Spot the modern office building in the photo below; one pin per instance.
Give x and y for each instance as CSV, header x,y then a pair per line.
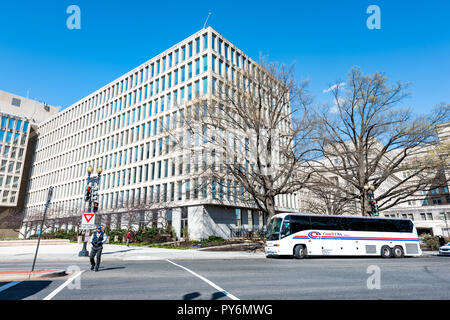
x,y
122,128
19,119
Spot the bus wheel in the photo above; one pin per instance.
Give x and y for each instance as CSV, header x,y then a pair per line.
x,y
300,251
386,252
398,252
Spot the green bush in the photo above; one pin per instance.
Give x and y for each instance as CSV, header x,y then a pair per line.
x,y
210,239
430,242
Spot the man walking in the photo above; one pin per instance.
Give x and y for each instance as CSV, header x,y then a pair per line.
x,y
97,241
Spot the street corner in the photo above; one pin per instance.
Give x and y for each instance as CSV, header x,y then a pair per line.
x,y
22,275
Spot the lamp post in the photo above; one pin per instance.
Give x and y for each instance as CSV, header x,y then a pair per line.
x,y
91,197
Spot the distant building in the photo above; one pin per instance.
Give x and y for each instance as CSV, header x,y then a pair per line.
x,y
18,120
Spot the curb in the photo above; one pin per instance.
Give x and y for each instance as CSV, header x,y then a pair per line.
x,y
27,275
19,243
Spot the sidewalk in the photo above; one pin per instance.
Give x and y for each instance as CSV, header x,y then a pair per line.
x,y
63,253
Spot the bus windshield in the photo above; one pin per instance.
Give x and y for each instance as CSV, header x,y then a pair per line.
x,y
273,230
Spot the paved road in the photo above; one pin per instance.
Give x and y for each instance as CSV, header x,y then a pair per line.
x,y
251,279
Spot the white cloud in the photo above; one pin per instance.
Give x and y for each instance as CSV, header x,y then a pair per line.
x,y
334,87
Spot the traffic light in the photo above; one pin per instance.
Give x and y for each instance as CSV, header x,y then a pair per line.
x,y
374,207
95,209
94,193
88,194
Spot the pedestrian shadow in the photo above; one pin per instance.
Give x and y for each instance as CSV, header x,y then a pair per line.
x,y
112,268
191,296
194,295
24,289
119,251
218,295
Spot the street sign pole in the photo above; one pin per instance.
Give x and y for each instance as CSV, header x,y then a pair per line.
x,y
92,197
84,252
47,204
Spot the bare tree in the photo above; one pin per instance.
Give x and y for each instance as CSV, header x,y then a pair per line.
x,y
324,197
368,138
250,136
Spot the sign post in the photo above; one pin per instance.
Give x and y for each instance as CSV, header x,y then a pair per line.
x,y
47,204
88,218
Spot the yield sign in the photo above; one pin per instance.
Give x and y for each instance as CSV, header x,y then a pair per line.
x,y
88,216
87,221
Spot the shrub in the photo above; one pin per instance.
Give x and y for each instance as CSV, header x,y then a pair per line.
x,y
207,241
429,241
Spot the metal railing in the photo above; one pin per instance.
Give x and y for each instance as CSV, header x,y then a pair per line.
x,y
245,232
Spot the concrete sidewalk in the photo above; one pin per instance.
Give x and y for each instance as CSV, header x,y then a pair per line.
x,y
62,253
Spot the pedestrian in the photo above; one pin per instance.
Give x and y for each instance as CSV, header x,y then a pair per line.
x,y
128,238
97,241
441,241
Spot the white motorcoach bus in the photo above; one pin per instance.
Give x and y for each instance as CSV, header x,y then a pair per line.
x,y
303,235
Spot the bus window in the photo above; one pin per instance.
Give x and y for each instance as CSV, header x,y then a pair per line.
x,y
376,225
403,225
300,223
325,223
356,224
285,227
273,229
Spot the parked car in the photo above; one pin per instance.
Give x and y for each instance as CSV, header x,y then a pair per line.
x,y
445,250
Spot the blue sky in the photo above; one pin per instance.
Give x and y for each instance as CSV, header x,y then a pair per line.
x,y
39,56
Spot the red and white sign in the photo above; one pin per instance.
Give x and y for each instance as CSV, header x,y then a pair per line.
x,y
88,221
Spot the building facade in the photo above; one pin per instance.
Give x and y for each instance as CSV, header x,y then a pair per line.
x,y
19,118
124,129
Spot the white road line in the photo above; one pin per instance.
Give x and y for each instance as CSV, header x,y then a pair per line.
x,y
57,290
9,285
229,295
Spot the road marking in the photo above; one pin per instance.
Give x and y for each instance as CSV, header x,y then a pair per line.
x,y
57,290
9,285
212,284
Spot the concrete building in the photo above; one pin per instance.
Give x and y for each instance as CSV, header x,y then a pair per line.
x,y
19,120
122,128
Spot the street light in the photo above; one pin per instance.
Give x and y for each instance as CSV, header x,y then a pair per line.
x,y
89,197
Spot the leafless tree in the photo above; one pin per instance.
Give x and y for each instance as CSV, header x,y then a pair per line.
x,y
368,138
250,136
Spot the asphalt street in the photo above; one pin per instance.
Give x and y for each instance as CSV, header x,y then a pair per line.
x,y
420,278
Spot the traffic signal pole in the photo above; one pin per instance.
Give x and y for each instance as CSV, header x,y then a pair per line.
x,y
47,204
90,196
87,197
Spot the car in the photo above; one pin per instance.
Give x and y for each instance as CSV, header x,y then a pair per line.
x,y
445,250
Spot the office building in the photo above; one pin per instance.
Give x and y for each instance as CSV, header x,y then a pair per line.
x,y
19,118
123,128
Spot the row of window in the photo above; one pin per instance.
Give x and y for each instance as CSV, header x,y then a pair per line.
x,y
11,152
149,70
424,216
11,182
10,167
8,197
126,118
14,124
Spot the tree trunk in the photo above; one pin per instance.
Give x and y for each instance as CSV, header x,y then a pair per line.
x,y
270,207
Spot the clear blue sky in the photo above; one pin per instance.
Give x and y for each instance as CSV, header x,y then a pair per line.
x,y
324,38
